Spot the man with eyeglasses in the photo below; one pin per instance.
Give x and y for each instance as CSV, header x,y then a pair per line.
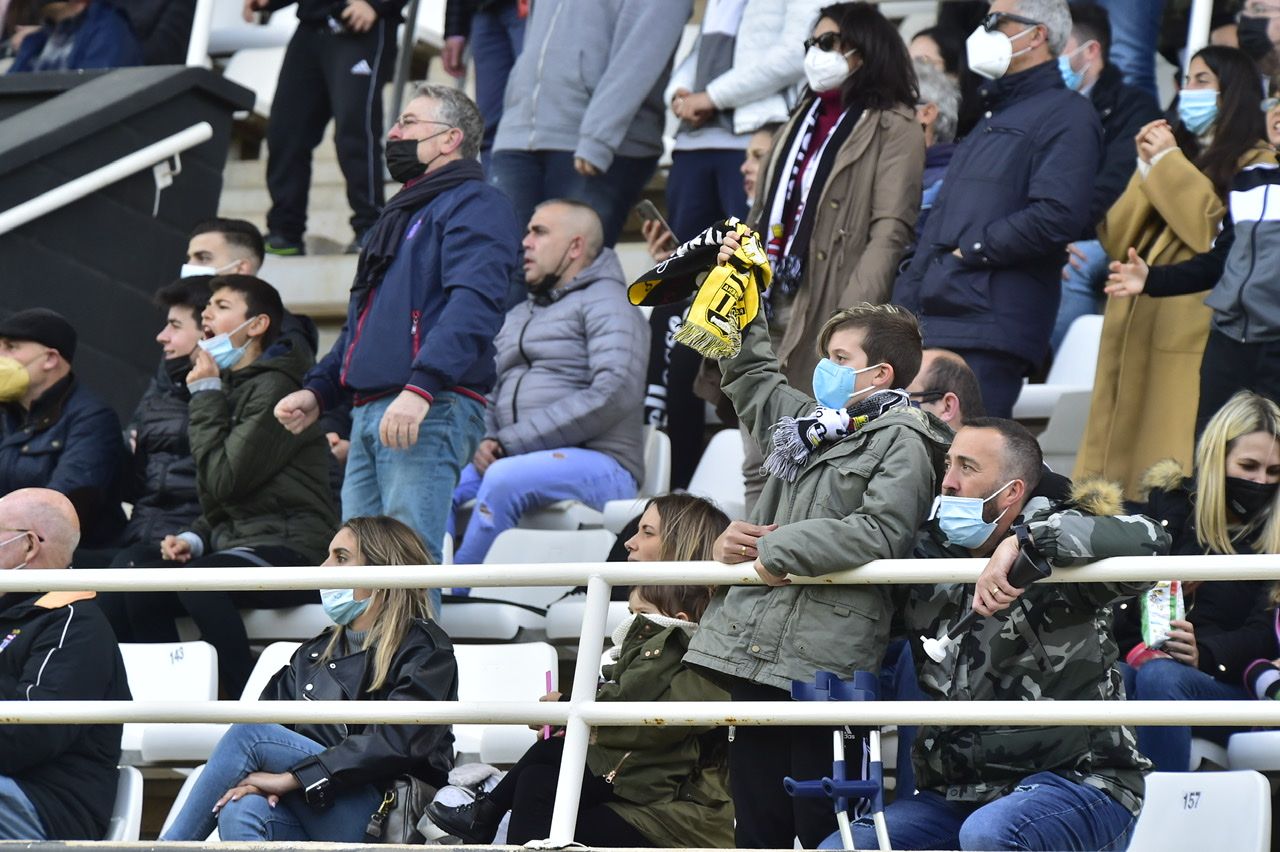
x,y
987,281
57,782
416,356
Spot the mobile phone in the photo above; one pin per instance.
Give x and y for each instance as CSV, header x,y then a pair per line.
x,y
648,212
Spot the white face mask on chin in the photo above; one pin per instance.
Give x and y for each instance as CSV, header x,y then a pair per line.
x,y
990,53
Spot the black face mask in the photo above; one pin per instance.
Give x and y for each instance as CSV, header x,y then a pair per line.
x,y
1252,33
540,290
1247,498
177,368
402,160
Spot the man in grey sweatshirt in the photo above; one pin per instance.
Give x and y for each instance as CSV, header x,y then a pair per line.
x,y
584,113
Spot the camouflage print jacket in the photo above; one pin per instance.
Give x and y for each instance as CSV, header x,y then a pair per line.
x,y
1054,644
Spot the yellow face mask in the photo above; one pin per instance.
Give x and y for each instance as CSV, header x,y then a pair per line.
x,y
14,379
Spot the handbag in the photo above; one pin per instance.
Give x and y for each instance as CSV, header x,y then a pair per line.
x,y
396,819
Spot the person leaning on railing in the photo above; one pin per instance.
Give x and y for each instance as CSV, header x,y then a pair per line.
x,y
1026,786
1229,506
325,781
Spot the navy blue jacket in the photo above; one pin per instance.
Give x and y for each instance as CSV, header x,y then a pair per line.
x,y
429,326
71,442
100,38
1017,190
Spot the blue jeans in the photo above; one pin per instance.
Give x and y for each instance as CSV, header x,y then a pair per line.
x,y
1081,289
1135,28
497,35
1169,747
414,485
1044,812
514,485
18,817
703,188
532,177
269,748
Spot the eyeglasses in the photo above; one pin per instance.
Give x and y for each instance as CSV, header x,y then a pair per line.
x,y
1258,10
39,537
926,395
826,42
404,122
991,22
1269,104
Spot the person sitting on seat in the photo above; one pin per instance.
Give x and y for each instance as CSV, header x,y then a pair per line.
x,y
78,35
57,782
323,782
565,422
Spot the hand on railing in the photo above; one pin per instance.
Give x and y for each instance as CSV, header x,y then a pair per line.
x,y
738,542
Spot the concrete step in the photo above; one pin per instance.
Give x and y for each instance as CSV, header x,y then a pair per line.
x,y
252,174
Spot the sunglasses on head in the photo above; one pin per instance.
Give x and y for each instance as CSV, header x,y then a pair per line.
x,y
991,21
826,42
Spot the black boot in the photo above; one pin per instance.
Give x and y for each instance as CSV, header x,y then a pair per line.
x,y
474,823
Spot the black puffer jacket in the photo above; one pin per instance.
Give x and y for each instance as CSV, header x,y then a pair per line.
x,y
1234,620
424,669
162,484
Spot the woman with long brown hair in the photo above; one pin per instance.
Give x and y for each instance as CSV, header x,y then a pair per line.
x,y
324,782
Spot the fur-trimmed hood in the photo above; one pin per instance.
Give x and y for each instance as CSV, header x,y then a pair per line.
x,y
1098,496
1164,475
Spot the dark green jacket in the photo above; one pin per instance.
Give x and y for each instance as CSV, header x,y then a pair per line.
x,y
860,499
258,483
665,791
1054,644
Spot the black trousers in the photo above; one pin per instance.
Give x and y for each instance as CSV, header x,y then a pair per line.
x,y
149,616
1230,366
529,792
328,76
760,756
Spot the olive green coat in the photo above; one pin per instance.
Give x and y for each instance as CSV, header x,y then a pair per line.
x,y
859,499
666,792
258,483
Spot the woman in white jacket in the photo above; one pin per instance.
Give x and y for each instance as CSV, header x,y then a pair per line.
x,y
743,73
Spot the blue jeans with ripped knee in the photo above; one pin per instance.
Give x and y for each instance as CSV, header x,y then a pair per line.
x,y
1045,812
513,485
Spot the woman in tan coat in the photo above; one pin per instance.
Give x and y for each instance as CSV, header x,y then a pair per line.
x,y
840,192
1147,384
837,200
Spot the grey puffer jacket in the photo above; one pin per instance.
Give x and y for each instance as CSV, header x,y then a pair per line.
x,y
571,373
859,499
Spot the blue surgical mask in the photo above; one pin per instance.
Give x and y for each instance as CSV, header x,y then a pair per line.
x,y
833,384
960,518
1070,76
341,605
220,349
1198,109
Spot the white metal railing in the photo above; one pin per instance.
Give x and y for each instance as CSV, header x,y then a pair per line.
x,y
201,25
74,190
581,712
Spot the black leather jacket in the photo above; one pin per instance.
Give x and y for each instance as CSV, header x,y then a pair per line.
x,y
424,669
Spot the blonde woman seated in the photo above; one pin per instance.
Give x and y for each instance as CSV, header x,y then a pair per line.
x,y
323,782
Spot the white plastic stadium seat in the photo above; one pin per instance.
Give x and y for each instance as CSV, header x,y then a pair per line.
x,y
1073,370
564,618
718,476
501,673
1258,750
126,814
1206,754
169,671
230,32
1060,440
504,613
1204,810
188,743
